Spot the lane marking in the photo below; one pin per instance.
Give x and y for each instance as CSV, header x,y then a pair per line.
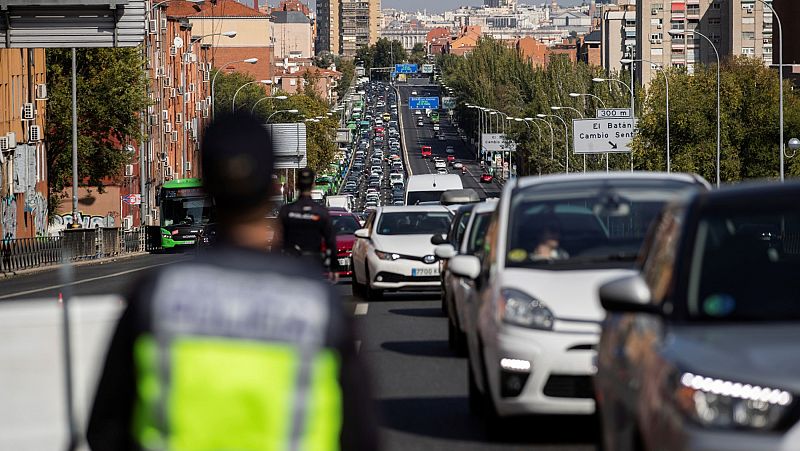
x,y
80,282
361,308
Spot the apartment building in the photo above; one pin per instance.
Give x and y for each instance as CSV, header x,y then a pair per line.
x,y
344,26
23,155
734,27
291,35
618,35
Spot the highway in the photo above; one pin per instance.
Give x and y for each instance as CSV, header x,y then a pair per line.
x,y
420,386
415,137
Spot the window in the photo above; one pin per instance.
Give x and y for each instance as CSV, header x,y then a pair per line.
x,y
748,51
716,4
677,25
748,35
656,52
656,23
713,20
656,37
748,20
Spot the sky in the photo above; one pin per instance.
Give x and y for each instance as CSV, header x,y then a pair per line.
x,y
441,5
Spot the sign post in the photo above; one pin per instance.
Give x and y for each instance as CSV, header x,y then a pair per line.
x,y
602,135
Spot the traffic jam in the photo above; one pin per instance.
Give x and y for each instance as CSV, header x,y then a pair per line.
x,y
646,299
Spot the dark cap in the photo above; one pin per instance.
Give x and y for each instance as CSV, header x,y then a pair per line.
x,y
237,164
306,179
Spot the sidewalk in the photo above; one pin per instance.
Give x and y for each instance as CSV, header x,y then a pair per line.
x,y
93,261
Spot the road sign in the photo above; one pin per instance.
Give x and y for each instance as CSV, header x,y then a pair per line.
x,y
497,142
405,68
602,135
421,103
427,68
613,113
449,103
132,199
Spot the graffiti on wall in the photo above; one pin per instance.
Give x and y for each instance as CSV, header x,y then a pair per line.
x,y
8,217
36,205
63,221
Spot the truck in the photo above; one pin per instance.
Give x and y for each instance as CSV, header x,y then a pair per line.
x,y
343,201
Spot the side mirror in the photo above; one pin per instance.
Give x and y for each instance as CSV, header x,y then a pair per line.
x,y
438,239
627,295
445,251
362,233
465,266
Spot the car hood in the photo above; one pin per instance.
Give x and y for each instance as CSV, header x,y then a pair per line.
x,y
345,241
568,294
764,354
415,245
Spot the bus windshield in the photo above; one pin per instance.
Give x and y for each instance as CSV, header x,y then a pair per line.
x,y
186,210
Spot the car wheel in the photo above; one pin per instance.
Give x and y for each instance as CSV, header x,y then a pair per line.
x,y
358,288
372,294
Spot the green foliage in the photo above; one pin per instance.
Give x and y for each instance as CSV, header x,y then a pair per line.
x,y
418,54
226,85
383,53
348,70
749,135
111,93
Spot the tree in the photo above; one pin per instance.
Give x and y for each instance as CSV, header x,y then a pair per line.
x,y
418,54
111,93
383,53
348,70
226,85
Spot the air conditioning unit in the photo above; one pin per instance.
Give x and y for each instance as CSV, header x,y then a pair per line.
x,y
4,143
206,77
41,91
173,51
178,118
660,26
173,138
34,134
188,166
167,127
128,170
127,222
12,139
168,172
28,112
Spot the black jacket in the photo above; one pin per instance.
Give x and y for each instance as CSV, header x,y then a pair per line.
x,y
305,227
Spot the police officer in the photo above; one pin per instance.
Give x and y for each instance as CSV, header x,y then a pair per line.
x,y
307,225
237,349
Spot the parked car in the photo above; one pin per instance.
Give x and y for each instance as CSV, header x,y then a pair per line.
x,y
553,241
699,349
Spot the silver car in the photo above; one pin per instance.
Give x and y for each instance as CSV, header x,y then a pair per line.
x,y
699,351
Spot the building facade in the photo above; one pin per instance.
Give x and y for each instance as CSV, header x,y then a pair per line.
x,y
23,163
327,26
618,35
291,35
344,26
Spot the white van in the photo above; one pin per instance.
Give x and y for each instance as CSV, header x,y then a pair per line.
x,y
343,201
428,188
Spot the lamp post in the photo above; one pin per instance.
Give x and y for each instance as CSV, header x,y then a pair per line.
x,y
214,80
674,33
292,111
233,101
666,88
558,108
253,109
633,105
566,138
578,94
227,34
552,134
780,81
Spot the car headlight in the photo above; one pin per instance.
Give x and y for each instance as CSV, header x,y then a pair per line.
x,y
387,255
519,309
726,404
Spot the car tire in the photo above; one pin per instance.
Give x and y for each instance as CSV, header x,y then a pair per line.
x,y
358,288
372,294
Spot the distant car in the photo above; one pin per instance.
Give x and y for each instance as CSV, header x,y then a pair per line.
x,y
441,137
344,225
458,165
449,150
418,112
487,178
436,127
439,164
413,93
420,123
441,170
451,158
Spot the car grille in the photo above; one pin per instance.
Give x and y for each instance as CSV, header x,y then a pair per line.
x,y
397,278
564,386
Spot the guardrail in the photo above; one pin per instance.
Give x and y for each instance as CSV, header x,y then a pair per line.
x,y
71,245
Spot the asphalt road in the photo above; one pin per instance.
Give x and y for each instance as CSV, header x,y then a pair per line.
x,y
415,137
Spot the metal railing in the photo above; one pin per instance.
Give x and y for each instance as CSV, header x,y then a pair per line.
x,y
73,245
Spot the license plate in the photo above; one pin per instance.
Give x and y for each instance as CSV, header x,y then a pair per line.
x,y
344,262
422,272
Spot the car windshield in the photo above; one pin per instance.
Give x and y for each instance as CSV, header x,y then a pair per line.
x,y
594,222
345,224
420,197
414,223
745,266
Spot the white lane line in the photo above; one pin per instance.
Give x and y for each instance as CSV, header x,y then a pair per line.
x,y
362,308
79,282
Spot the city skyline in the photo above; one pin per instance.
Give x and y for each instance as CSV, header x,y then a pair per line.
x,y
437,5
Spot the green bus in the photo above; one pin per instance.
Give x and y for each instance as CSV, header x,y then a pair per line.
x,y
186,212
435,117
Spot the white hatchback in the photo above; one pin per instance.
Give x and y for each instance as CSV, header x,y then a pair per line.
x,y
394,252
554,240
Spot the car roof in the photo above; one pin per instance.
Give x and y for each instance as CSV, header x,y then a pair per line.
x,y
524,182
338,211
748,195
487,206
411,208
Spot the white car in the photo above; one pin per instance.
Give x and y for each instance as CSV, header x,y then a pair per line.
x,y
554,240
440,164
458,165
441,171
413,93
393,251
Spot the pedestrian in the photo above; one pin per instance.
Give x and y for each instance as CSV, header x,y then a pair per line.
x,y
237,349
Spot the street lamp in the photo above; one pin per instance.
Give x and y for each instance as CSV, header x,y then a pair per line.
x,y
577,94
566,138
253,109
233,102
227,34
674,33
214,80
292,111
794,144
552,134
633,103
666,84
558,108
